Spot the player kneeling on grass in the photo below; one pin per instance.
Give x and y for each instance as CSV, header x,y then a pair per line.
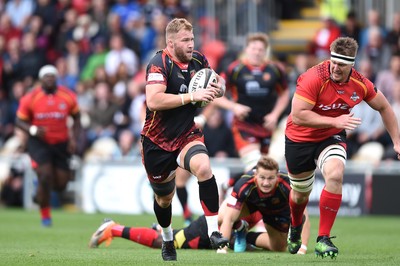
x,y
267,192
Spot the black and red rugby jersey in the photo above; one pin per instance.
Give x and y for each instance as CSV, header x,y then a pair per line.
x,y
170,128
276,202
257,87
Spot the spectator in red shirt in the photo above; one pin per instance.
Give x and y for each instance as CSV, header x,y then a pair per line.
x,y
319,46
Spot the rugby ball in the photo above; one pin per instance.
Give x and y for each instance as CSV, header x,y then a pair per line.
x,y
200,81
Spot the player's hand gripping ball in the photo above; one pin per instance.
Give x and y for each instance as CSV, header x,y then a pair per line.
x,y
200,81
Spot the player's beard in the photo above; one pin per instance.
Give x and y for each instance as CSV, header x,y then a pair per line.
x,y
182,56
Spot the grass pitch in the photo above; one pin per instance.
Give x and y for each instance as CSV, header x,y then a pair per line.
x,y
368,240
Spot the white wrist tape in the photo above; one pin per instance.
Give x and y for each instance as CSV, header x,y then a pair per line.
x,y
33,130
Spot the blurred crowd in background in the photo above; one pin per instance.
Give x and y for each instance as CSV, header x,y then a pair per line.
x,y
101,49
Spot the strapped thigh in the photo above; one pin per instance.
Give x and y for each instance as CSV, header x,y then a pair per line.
x,y
195,149
332,151
163,189
304,184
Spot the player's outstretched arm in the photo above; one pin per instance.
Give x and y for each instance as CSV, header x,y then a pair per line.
x,y
305,234
228,216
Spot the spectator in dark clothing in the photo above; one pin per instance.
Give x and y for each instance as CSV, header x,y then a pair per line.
x,y
46,9
12,189
99,12
11,63
393,37
351,27
102,114
32,59
65,29
174,8
16,92
115,28
218,137
4,115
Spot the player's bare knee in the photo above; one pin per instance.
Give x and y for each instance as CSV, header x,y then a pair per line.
x,y
60,186
44,181
202,172
299,197
163,202
279,247
333,183
334,176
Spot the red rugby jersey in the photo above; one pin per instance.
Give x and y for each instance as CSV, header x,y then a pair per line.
x,y
49,111
329,99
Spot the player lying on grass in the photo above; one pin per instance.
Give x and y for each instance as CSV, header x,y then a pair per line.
x,y
193,236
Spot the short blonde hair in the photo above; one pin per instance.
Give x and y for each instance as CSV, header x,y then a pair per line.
x,y
267,163
258,36
176,25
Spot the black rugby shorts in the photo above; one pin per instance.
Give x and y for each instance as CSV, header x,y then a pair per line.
x,y
158,162
302,156
42,152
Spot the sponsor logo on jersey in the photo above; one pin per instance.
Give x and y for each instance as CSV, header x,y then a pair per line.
x,y
155,69
50,115
354,97
275,201
183,89
155,77
342,106
337,137
248,77
266,76
62,106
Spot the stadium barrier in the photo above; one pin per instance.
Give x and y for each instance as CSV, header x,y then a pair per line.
x,y
384,190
